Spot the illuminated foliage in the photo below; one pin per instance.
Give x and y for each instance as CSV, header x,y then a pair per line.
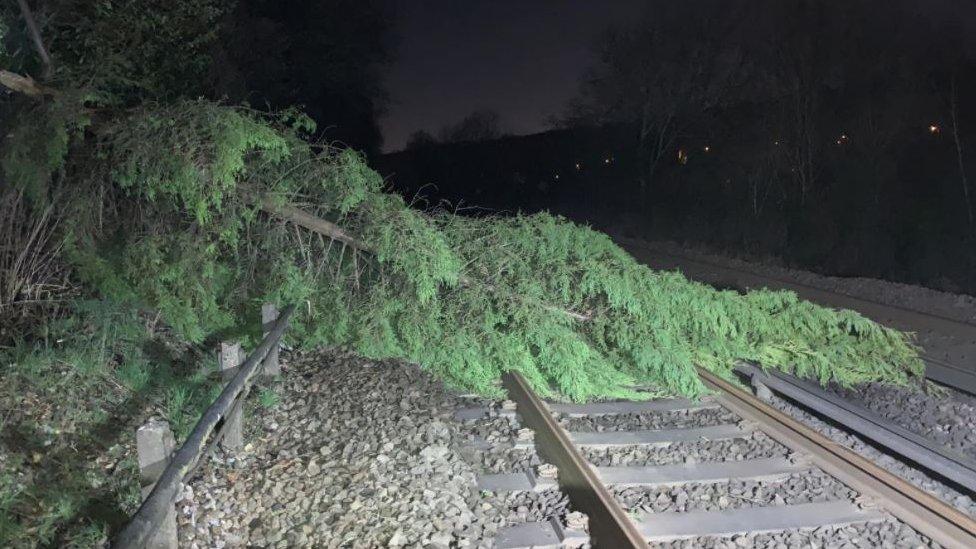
x,y
467,298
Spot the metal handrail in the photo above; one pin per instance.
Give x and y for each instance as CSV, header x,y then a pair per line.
x,y
163,495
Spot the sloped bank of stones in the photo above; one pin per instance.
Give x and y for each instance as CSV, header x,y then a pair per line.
x,y
357,453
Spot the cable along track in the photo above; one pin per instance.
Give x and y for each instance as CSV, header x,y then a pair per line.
x,y
675,472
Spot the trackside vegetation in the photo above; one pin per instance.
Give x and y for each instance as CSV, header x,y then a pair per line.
x,y
151,206
467,297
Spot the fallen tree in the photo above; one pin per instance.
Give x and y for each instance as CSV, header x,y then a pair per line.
x,y
467,297
331,230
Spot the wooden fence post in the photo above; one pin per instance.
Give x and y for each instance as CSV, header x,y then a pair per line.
x,y
269,314
230,358
154,446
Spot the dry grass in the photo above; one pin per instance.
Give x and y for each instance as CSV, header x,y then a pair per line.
x,y
33,279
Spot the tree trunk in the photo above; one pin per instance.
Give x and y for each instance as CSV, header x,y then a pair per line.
x,y
23,84
317,224
331,230
962,166
35,35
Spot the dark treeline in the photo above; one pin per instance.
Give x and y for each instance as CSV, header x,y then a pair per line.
x,y
267,54
527,173
325,57
835,136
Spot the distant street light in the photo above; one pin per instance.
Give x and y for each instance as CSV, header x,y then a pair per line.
x,y
682,157
933,129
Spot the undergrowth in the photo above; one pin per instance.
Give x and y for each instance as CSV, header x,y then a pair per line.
x,y
70,398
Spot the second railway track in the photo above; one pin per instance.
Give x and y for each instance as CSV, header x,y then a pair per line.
x,y
729,471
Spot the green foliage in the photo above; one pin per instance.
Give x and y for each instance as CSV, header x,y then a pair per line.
x,y
469,298
162,224
177,164
268,397
72,395
190,153
93,43
37,144
182,280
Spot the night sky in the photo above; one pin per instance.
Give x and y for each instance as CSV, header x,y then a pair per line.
x,y
522,59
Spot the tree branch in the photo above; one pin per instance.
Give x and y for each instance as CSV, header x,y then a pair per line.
x,y
35,34
322,226
962,165
317,224
23,84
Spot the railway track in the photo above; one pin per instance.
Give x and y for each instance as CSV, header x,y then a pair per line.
x,y
728,469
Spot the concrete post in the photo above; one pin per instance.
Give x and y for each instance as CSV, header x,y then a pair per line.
x,y
269,314
231,357
154,446
763,392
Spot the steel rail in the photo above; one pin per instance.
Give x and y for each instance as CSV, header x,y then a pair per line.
x,y
926,453
610,526
932,517
144,523
950,374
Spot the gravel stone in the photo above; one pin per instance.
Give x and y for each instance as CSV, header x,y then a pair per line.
x,y
889,533
961,501
492,429
956,306
535,506
754,446
679,419
357,453
500,457
941,414
807,487
944,415
501,460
